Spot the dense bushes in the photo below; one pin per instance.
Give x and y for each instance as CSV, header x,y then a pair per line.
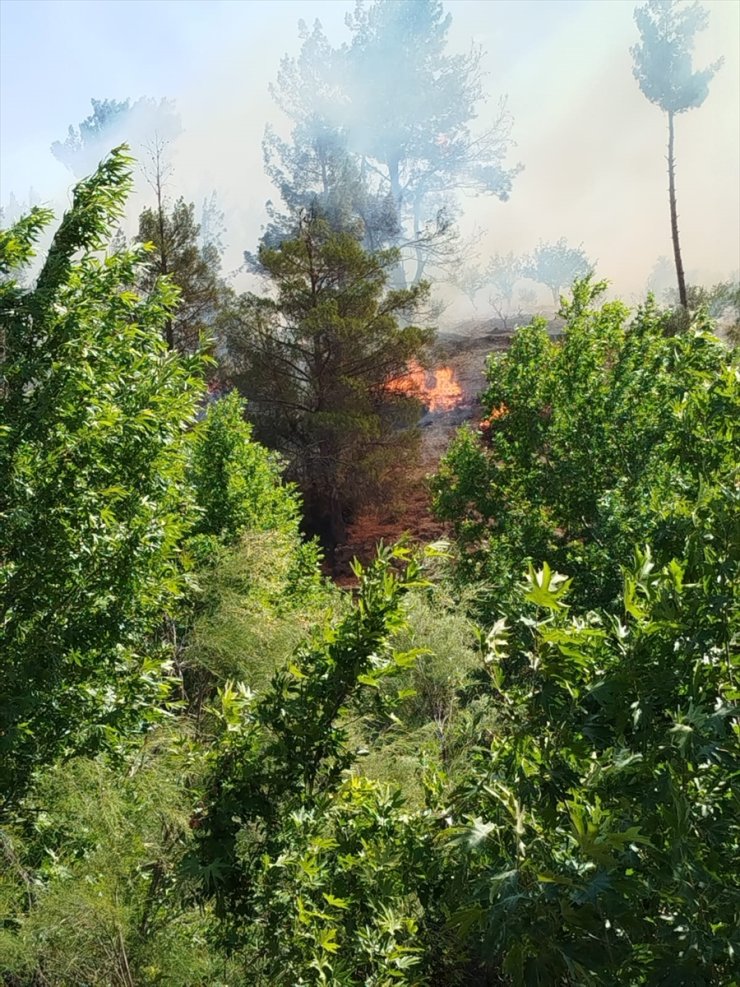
x,y
218,770
118,508
314,874
93,503
588,446
603,835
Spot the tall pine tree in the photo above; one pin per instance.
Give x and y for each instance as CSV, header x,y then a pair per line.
x,y
319,361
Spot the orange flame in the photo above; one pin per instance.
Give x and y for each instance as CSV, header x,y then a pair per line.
x,y
489,425
437,389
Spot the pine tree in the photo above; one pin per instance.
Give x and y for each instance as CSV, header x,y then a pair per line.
x,y
318,360
193,268
179,253
111,122
383,125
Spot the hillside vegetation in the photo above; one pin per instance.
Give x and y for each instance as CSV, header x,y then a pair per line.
x,y
512,758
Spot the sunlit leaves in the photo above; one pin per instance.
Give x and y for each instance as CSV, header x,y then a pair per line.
x,y
94,503
545,588
606,791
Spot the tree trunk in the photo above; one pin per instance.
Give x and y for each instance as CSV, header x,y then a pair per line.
x,y
421,259
337,526
169,329
394,176
158,182
674,217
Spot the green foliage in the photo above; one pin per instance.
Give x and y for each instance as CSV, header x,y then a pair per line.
x,y
236,482
600,838
260,598
301,864
260,585
563,799
445,644
193,267
17,249
318,362
334,897
721,303
596,837
93,505
583,449
426,704
91,896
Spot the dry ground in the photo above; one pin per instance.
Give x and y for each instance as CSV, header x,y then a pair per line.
x,y
465,351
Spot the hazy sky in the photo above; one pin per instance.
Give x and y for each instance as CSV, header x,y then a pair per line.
x,y
592,147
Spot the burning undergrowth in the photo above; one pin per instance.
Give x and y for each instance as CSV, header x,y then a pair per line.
x,y
438,389
448,391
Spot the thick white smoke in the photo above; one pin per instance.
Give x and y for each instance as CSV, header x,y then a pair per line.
x,y
592,147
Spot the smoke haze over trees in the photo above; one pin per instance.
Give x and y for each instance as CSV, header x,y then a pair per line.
x,y
111,122
383,127
591,145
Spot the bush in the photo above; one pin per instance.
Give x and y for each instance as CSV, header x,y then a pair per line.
x,y
92,897
583,440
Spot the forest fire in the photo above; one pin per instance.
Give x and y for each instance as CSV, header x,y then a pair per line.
x,y
437,389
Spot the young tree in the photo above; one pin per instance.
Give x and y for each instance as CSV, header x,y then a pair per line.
x,y
401,107
662,68
193,266
556,265
469,279
318,363
94,415
503,273
236,482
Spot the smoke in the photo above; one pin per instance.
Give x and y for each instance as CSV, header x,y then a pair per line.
x,y
592,147
594,151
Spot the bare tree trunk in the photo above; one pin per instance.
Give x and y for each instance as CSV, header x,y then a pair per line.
x,y
682,296
337,526
157,181
168,326
421,260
